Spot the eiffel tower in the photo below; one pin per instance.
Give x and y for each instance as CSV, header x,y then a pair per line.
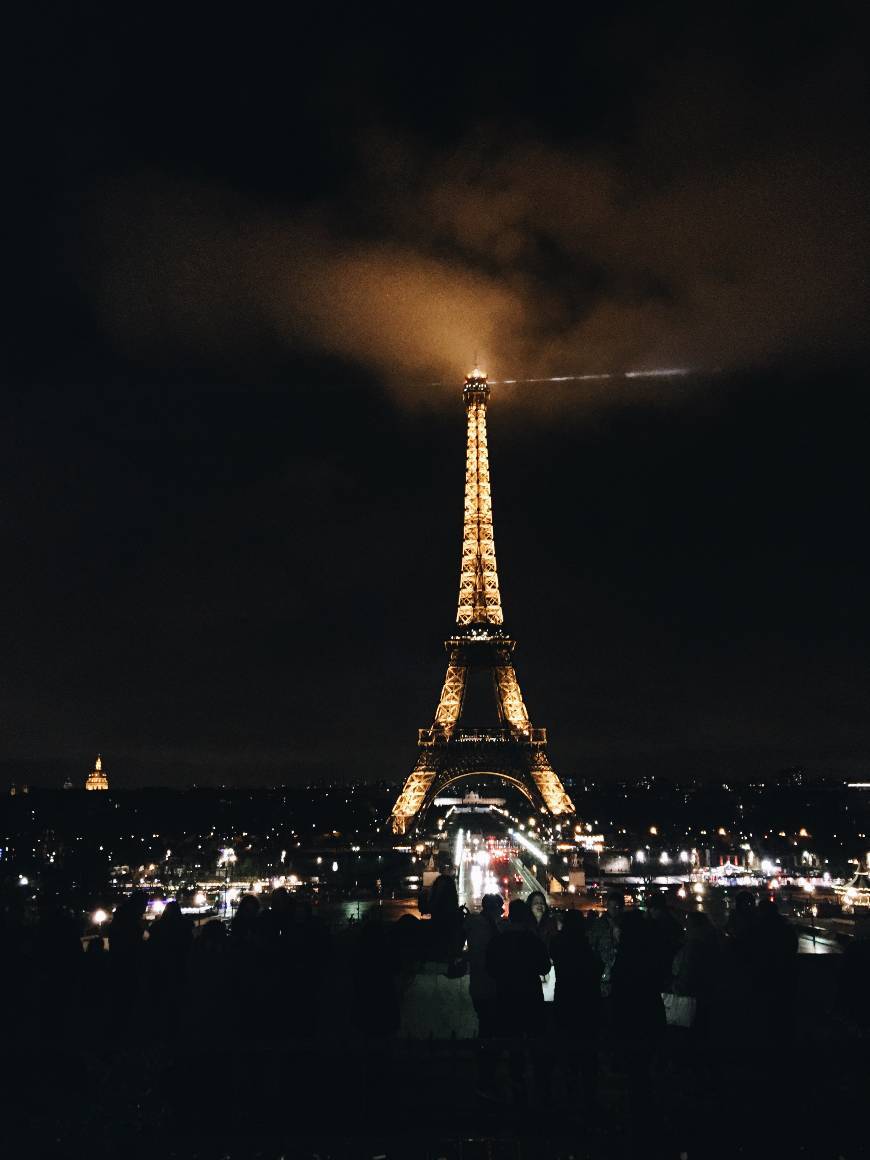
x,y
459,744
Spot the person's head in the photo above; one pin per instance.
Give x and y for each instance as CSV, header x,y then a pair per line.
x,y
615,904
657,904
492,905
137,904
171,915
406,936
281,901
631,930
573,924
447,869
537,905
519,914
697,924
744,902
247,910
212,935
768,911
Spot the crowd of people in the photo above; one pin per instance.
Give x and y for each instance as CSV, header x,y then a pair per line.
x,y
564,987
613,975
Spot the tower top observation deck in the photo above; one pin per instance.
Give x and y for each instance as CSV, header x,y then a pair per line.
x,y
476,389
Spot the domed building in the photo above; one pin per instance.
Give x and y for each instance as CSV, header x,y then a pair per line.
x,y
97,779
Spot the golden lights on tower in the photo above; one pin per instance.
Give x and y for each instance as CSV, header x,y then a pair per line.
x,y
479,597
447,750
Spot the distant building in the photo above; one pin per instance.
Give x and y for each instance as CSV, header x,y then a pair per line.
x,y
97,779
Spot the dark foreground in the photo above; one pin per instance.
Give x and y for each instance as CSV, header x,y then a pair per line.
x,y
211,1084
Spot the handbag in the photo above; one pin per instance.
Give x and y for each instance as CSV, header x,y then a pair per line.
x,y
548,984
679,1009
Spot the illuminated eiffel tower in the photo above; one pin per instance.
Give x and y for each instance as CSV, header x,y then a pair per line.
x,y
459,744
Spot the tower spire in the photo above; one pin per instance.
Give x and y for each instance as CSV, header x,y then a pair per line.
x,y
479,596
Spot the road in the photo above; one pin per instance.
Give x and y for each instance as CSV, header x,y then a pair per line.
x,y
474,881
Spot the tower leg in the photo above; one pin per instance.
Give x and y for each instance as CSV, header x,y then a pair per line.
x,y
550,785
413,793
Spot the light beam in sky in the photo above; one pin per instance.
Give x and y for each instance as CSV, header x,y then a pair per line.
x,y
656,373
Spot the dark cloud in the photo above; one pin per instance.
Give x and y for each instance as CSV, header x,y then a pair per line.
x,y
729,231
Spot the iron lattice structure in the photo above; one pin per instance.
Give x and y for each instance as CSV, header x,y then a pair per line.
x,y
453,747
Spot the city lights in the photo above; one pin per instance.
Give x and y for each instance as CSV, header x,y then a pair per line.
x,y
529,845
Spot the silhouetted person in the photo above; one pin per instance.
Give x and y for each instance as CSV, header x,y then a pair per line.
x,y
741,921
213,1019
376,1009
697,974
696,971
16,973
296,951
774,974
665,937
245,939
96,992
57,965
543,922
125,957
577,1004
637,1011
312,951
245,927
853,994
480,930
604,936
446,917
739,996
169,942
408,945
276,930
517,959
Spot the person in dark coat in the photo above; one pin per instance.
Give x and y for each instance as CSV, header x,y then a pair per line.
x,y
480,930
375,966
637,1012
57,966
126,947
169,943
696,970
604,936
577,1001
665,936
446,917
774,948
517,959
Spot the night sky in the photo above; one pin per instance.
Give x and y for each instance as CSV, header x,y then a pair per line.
x,y
249,265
